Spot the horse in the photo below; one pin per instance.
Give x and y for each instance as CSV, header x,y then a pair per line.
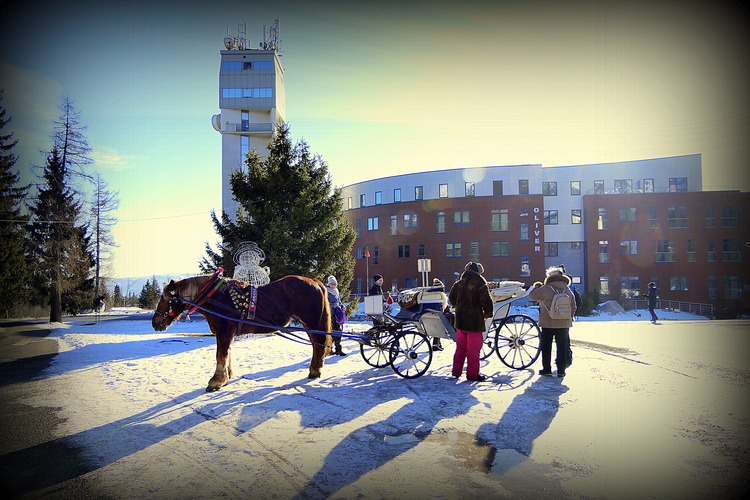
x,y
277,304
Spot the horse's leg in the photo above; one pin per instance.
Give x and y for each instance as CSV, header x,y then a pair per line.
x,y
223,372
321,346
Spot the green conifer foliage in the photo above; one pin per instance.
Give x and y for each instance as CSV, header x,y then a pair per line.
x,y
290,208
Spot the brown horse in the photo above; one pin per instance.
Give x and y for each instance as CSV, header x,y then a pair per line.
x,y
277,304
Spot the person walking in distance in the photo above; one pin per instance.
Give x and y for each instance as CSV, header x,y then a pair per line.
x,y
472,301
651,296
377,285
556,310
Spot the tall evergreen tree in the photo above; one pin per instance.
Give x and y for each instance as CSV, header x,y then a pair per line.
x,y
104,203
150,294
61,247
70,140
291,210
14,274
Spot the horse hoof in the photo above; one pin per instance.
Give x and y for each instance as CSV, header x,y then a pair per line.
x,y
313,375
212,388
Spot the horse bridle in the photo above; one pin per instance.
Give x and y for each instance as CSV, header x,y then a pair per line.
x,y
174,299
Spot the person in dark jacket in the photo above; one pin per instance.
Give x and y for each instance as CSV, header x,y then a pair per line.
x,y
651,296
553,329
471,298
377,285
334,299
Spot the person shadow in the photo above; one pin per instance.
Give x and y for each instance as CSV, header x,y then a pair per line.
x,y
528,417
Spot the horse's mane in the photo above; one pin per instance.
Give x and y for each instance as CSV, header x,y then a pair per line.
x,y
189,287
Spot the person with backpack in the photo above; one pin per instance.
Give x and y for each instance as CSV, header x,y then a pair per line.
x,y
557,307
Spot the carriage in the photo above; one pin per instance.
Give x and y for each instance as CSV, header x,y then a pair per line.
x,y
402,339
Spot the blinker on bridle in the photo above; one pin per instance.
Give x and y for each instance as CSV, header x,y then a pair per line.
x,y
174,299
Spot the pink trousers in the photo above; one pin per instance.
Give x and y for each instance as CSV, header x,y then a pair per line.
x,y
468,347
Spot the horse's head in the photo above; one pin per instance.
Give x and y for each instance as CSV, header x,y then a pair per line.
x,y
169,308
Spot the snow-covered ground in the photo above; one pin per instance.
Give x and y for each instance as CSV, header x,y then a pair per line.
x,y
646,411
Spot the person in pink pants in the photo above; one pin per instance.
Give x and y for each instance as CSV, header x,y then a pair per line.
x,y
471,299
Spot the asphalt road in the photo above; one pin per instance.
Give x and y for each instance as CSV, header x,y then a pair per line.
x,y
34,463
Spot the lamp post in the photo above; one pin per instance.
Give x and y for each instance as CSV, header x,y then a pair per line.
x,y
367,266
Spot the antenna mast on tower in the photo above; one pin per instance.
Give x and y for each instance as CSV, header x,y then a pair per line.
x,y
274,37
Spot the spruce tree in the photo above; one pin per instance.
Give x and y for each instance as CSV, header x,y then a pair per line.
x,y
290,208
61,253
14,274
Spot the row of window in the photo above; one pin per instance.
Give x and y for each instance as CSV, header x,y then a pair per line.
x,y
630,286
500,219
731,250
255,93
676,216
247,65
676,184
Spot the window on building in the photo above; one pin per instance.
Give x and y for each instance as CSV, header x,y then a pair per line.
x,y
358,227
678,184
349,203
469,189
598,187
410,220
500,248
524,231
575,188
410,283
394,225
550,249
523,186
231,65
497,188
255,93
629,287
648,185
576,245
604,286
627,214
499,220
550,217
453,249
691,253
474,251
375,256
730,216
676,216
244,147
443,193
602,219
664,251
362,200
603,251
378,197
575,216
441,222
397,195
678,284
732,287
525,266
710,251
549,188
404,251
419,193
712,287
623,186
653,220
710,220
372,223
461,217
731,250
421,251
394,284
629,247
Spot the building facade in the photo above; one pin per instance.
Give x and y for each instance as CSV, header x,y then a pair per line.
x,y
614,226
252,102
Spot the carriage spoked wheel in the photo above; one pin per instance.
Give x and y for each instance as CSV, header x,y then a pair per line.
x,y
488,346
411,354
378,352
517,341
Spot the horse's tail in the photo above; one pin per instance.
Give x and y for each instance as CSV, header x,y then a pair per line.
x,y
325,313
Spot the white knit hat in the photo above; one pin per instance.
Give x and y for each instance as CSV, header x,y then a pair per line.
x,y
332,279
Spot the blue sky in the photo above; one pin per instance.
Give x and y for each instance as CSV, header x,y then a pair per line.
x,y
376,88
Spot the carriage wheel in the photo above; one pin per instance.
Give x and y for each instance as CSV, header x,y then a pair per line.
x,y
488,346
377,354
411,354
517,341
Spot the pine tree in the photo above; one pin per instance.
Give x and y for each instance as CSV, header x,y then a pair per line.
x,y
117,299
105,202
291,210
14,274
150,294
61,247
